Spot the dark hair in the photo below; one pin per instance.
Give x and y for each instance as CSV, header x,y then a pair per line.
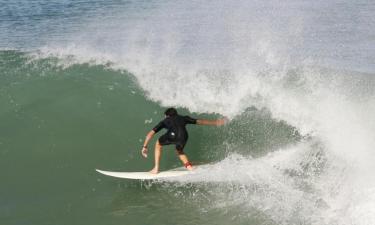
x,y
170,112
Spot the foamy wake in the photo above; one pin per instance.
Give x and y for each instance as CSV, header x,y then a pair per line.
x,y
302,184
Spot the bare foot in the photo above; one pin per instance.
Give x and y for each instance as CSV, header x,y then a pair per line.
x,y
190,168
154,171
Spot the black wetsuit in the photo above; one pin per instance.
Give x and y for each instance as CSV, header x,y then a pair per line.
x,y
177,133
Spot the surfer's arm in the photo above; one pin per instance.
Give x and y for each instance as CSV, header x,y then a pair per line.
x,y
218,122
148,138
145,143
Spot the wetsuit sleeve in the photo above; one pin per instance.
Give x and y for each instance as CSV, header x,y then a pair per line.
x,y
189,120
158,127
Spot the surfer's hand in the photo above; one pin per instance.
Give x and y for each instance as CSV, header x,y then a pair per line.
x,y
144,152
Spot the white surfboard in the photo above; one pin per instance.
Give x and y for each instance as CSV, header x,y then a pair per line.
x,y
146,175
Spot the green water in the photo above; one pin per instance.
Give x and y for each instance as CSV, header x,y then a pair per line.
x,y
59,123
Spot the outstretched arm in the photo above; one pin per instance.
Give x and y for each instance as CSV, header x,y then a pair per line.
x,y
218,122
145,144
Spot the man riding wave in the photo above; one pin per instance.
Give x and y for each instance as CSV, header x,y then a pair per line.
x,y
176,134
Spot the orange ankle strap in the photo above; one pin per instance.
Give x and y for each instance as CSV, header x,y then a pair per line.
x,y
187,164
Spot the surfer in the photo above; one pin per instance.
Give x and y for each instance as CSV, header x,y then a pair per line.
x,y
176,134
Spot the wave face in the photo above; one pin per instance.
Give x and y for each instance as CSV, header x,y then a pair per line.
x,y
296,79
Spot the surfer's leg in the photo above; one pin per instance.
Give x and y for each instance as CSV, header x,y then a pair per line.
x,y
158,148
184,159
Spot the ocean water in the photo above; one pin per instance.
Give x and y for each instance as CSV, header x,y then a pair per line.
x,y
82,82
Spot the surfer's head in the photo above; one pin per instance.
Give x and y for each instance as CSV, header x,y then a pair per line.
x,y
170,112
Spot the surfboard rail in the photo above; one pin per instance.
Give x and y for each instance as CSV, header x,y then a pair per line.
x,y
145,175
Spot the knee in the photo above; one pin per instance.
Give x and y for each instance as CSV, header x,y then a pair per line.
x,y
158,146
180,152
